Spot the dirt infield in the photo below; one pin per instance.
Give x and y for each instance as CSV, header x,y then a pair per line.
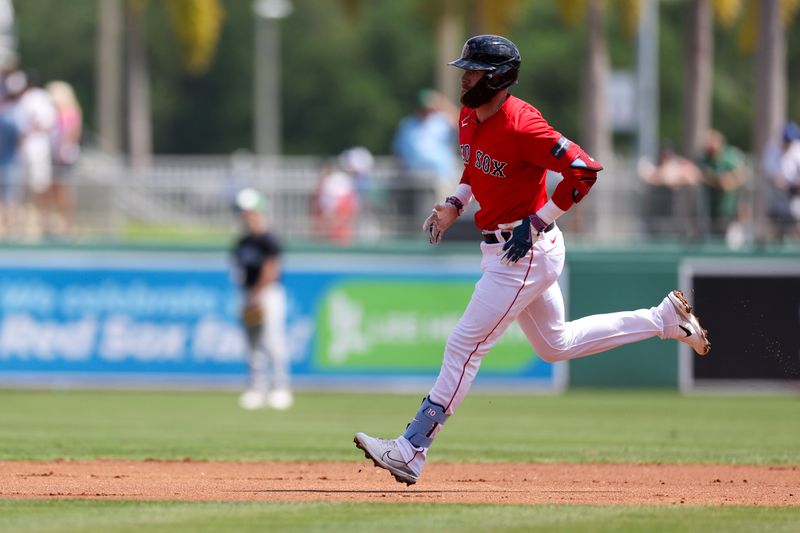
x,y
442,483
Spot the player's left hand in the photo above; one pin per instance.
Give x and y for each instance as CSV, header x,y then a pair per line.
x,y
253,315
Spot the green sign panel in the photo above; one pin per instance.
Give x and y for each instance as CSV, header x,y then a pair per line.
x,y
402,326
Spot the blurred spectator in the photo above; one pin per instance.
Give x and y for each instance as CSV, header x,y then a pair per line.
x,y
426,146
256,257
672,198
359,163
722,167
335,205
782,168
672,170
66,138
36,118
11,189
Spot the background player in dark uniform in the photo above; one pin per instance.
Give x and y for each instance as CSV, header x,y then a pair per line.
x,y
256,257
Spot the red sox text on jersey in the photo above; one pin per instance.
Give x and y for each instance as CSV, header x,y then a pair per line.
x,y
506,159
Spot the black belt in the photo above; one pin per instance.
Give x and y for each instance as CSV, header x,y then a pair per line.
x,y
491,238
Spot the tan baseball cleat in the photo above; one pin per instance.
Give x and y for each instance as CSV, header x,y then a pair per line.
x,y
691,331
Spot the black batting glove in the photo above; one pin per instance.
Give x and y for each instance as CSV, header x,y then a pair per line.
x,y
521,240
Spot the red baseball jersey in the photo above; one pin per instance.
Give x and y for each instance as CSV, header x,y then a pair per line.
x,y
506,160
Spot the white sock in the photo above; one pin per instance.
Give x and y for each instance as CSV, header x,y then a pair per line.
x,y
670,319
410,452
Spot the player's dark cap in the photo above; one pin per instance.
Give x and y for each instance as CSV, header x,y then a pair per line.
x,y
487,52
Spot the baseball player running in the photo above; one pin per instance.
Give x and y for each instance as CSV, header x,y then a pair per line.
x,y
507,148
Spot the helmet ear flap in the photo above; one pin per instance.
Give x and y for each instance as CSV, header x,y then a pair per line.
x,y
503,76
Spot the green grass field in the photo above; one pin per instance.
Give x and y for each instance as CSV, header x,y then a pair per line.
x,y
608,426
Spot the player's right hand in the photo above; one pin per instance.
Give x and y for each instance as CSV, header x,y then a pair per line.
x,y
442,217
520,243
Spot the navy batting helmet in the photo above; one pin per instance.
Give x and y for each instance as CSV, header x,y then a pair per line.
x,y
495,54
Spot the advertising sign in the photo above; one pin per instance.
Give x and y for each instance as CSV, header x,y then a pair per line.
x,y
171,319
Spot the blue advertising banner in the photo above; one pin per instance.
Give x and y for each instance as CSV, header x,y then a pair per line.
x,y
166,319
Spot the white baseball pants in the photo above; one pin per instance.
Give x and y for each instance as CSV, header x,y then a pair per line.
x,y
268,356
528,292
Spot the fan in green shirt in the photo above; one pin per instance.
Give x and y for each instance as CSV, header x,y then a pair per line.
x,y
722,166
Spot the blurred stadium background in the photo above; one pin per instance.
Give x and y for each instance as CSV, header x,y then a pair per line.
x,y
187,101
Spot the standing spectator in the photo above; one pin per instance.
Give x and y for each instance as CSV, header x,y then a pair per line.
x,y
256,257
335,205
359,163
11,190
425,145
671,170
782,168
672,202
66,147
36,118
722,167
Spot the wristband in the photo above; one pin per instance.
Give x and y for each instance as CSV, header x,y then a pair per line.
x,y
538,224
455,202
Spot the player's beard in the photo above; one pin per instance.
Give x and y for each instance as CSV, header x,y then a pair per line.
x,y
478,94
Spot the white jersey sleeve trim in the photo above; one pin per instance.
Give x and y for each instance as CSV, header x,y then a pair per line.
x,y
549,212
464,193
